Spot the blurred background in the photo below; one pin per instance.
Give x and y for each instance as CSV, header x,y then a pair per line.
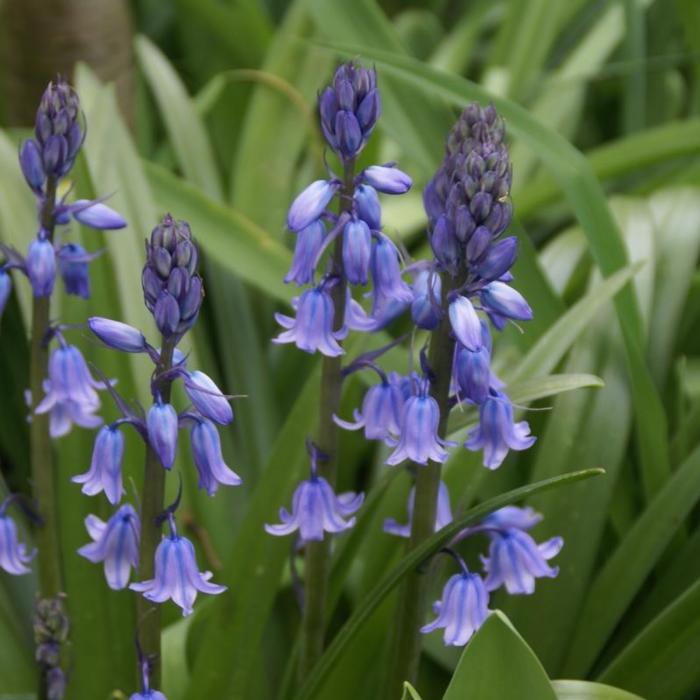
x,y
206,109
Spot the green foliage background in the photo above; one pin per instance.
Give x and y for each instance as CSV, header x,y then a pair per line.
x,y
602,103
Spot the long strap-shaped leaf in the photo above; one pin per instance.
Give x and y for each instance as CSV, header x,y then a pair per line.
x,y
417,557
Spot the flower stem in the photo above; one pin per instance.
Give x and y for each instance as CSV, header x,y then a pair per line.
x,y
406,642
152,503
318,553
43,477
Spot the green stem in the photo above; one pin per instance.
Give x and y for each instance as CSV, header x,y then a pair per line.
x,y
152,504
406,642
318,553
43,477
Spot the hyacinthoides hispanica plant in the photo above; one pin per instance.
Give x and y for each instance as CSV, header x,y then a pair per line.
x,y
62,391
451,297
167,567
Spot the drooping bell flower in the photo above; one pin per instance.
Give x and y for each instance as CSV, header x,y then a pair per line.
x,y
206,451
443,513
105,473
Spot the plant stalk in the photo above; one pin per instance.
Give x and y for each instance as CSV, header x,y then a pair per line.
x,y
318,553
406,645
152,504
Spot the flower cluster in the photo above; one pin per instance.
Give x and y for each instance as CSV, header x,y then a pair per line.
x,y
514,562
45,160
173,292
50,634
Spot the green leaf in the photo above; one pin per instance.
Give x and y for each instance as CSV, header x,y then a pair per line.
x,y
229,237
623,574
585,690
497,664
661,662
409,692
313,684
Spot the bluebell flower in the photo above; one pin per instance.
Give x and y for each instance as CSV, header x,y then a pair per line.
x,y
177,577
462,609
316,509
63,413
148,695
310,204
348,134
96,214
73,262
384,311
5,289
367,206
307,248
387,179
501,299
105,473
386,273
117,335
472,373
499,259
357,251
32,166
512,517
443,514
381,412
41,266
418,440
496,432
426,311
116,543
207,398
14,556
312,329
445,245
206,451
70,388
515,560
465,322
162,425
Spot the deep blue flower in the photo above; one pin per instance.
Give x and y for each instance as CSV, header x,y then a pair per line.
x,y
445,245
472,373
465,322
306,250
5,289
462,609
14,556
310,204
73,262
41,267
418,440
316,509
176,575
116,543
499,259
501,299
105,473
96,214
148,695
357,251
206,451
208,398
515,560
381,412
443,515
117,335
427,291
387,179
32,166
348,134
496,432
162,425
367,206
383,312
386,273
312,329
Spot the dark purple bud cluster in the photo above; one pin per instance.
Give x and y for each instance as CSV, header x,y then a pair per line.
x,y
51,627
350,109
172,289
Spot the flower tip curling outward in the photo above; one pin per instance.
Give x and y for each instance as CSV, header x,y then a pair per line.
x,y
462,609
310,204
316,509
117,335
116,543
105,473
206,450
515,561
14,556
443,515
177,577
